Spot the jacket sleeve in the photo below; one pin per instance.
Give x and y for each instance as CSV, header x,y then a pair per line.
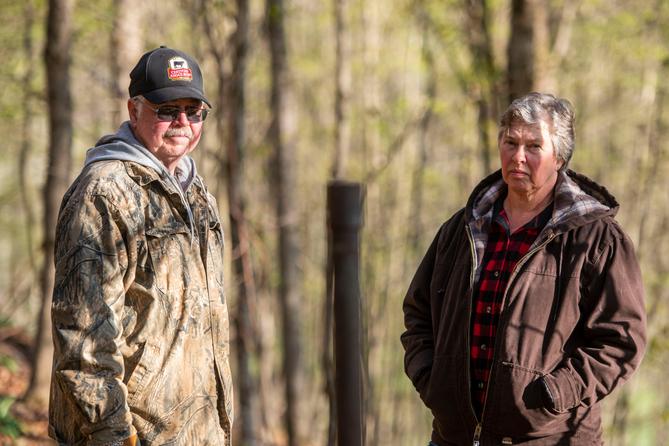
x,y
613,325
88,397
418,338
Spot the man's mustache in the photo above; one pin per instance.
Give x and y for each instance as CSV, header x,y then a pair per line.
x,y
188,133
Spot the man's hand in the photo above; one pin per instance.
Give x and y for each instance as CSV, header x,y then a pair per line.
x,y
132,441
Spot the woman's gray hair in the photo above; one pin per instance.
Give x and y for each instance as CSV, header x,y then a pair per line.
x,y
558,113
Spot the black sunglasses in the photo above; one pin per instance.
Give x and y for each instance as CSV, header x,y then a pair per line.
x,y
170,113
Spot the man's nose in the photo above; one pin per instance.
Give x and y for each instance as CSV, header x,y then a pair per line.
x,y
182,119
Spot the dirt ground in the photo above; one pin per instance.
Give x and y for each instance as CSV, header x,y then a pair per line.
x,y
14,377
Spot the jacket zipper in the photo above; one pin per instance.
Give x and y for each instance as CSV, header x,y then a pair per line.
x,y
521,262
477,430
477,435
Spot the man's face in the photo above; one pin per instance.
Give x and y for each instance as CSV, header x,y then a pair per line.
x,y
529,162
169,141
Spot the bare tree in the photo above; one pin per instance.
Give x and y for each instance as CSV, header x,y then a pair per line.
x,y
280,135
484,87
231,129
520,49
532,55
57,59
414,228
126,47
26,129
342,85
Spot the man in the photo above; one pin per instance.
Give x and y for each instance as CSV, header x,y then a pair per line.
x,y
528,307
140,325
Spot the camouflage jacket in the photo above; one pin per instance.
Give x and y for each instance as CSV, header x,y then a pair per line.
x,y
140,323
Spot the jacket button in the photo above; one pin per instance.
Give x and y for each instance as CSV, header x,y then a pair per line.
x,y
488,309
496,274
484,347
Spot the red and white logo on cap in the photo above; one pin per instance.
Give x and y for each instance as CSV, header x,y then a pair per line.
x,y
178,70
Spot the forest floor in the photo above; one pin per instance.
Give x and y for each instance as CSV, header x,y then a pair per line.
x,y
20,425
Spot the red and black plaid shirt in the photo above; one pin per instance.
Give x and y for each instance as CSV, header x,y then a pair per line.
x,y
502,252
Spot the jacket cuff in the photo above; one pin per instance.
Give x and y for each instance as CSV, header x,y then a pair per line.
x,y
561,387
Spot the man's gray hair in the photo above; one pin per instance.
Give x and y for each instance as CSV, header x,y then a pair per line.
x,y
558,113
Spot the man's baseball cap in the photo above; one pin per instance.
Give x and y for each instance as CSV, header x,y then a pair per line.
x,y
164,74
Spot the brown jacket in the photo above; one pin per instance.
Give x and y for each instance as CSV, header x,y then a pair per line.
x,y
572,324
140,324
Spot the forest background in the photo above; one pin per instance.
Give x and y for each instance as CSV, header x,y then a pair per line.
x,y
400,95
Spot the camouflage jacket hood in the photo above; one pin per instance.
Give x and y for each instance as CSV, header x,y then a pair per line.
x,y
140,323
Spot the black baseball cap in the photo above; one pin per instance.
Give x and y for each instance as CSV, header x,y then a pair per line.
x,y
164,74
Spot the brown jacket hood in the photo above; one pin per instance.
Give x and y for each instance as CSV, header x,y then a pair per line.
x,y
577,201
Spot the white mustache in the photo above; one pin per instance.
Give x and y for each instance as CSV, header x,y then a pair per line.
x,y
188,133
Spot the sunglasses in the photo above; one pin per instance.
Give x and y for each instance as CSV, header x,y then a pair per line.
x,y
169,113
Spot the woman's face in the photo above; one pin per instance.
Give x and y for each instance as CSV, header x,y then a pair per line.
x,y
528,158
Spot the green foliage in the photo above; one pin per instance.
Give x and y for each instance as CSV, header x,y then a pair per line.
x,y
5,321
610,73
9,426
8,362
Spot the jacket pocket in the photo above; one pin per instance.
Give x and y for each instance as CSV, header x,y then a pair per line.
x,y
516,406
142,372
165,244
443,394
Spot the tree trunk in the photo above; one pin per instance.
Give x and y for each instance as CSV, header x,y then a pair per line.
x,y
231,128
57,59
26,132
238,227
533,59
126,48
342,86
414,228
558,47
486,89
520,50
286,215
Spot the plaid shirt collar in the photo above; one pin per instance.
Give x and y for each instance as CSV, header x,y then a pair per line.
x,y
499,216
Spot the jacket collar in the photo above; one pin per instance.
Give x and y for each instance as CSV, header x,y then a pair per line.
x,y
578,200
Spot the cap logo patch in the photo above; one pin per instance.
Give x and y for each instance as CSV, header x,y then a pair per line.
x,y
178,70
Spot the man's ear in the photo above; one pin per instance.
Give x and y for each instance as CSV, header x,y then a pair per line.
x,y
132,112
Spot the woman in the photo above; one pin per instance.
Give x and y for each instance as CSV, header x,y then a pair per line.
x,y
527,309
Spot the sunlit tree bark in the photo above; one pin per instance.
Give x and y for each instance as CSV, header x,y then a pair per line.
x,y
126,47
231,116
57,59
485,89
283,177
27,130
